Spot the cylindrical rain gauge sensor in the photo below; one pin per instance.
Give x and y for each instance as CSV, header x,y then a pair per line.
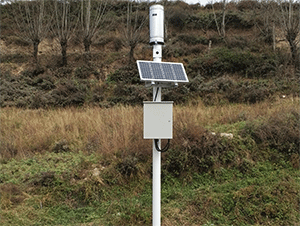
x,y
156,24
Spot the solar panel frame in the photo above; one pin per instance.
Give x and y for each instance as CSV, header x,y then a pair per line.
x,y
153,71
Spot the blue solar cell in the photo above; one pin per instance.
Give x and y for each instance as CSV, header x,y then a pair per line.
x,y
146,70
161,71
157,72
180,75
167,68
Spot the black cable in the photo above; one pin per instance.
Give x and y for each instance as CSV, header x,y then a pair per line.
x,y
164,149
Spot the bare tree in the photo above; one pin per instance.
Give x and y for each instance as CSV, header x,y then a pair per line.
x,y
135,22
289,18
221,30
267,23
64,24
33,26
92,19
223,18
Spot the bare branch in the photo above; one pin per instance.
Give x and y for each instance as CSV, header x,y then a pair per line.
x,y
65,24
92,19
135,23
32,22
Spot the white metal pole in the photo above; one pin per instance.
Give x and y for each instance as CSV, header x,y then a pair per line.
x,y
156,180
156,167
156,19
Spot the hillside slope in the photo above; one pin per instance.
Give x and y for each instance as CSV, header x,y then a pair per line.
x,y
238,68
72,150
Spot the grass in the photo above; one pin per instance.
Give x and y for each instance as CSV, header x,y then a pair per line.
x,y
102,130
231,198
25,132
91,166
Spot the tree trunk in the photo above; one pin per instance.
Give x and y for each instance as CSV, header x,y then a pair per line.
x,y
131,57
216,21
64,44
295,55
35,51
87,44
223,19
274,37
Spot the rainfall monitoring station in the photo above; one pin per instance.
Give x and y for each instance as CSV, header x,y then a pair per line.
x,y
158,115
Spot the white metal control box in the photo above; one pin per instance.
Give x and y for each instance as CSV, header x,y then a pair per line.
x,y
158,120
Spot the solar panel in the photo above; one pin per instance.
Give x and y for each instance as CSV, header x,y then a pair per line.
x,y
161,71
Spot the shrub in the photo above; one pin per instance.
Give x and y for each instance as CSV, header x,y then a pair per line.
x,y
179,94
129,94
119,7
250,92
202,21
103,40
234,20
118,44
247,5
177,18
198,151
224,60
238,42
11,195
16,91
69,93
232,61
279,132
183,49
38,100
98,93
205,21
83,72
195,83
17,41
127,74
31,73
45,179
128,166
227,89
14,58
218,85
44,82
61,146
192,39
63,72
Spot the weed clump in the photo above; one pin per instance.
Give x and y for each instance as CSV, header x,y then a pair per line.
x,y
128,166
279,132
45,179
61,146
11,195
200,151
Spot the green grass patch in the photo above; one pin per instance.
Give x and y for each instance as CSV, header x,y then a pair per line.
x,y
265,194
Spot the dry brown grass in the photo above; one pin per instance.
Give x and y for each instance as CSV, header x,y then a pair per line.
x,y
114,130
205,116
24,132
